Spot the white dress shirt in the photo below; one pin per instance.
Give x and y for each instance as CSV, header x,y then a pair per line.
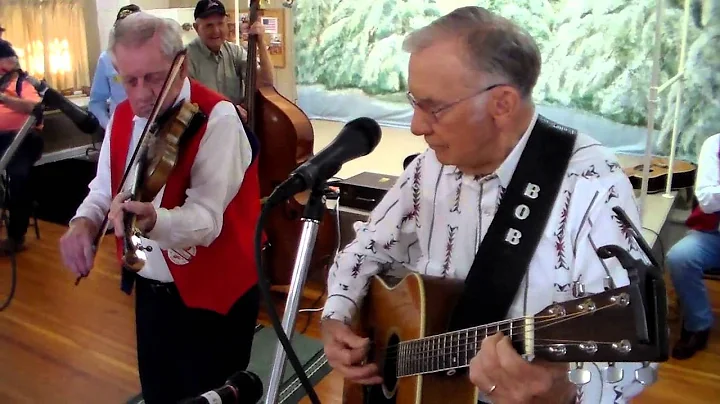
x,y
707,182
433,220
217,173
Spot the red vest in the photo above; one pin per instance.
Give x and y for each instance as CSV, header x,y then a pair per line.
x,y
699,220
217,275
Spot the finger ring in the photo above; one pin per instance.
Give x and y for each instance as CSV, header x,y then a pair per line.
x,y
494,386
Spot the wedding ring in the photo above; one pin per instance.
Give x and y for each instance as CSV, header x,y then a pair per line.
x,y
494,386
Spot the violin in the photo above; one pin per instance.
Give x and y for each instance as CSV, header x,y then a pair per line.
x,y
286,141
152,162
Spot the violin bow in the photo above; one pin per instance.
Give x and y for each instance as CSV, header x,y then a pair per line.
x,y
172,75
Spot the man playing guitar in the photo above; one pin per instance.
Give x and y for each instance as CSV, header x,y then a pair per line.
x,y
471,77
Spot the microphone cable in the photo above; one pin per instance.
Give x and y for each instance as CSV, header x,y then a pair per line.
x,y
264,286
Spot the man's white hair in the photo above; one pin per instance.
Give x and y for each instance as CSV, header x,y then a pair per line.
x,y
494,45
138,28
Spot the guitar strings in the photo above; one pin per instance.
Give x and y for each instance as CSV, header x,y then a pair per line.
x,y
391,350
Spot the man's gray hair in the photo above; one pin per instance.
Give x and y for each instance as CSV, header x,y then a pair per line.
x,y
138,28
494,44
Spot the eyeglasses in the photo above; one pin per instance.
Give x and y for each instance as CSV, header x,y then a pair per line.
x,y
436,111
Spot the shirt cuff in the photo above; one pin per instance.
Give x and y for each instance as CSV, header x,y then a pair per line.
x,y
339,307
91,214
162,230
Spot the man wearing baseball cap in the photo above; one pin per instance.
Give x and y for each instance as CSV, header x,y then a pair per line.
x,y
106,85
221,65
18,99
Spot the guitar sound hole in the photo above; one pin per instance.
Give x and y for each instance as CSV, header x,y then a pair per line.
x,y
389,365
383,393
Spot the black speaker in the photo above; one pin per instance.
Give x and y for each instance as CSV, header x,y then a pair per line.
x,y
60,187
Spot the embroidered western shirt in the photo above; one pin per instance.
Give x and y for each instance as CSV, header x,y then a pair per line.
x,y
433,220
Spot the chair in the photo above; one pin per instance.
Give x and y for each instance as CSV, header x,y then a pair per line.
x,y
5,195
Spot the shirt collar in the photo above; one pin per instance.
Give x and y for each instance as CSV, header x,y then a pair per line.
x,y
507,168
184,95
204,50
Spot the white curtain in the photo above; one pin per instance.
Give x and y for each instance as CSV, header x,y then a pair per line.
x,y
49,38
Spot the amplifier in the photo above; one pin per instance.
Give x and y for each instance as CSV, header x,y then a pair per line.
x,y
365,190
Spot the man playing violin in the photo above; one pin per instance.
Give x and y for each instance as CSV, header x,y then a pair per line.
x,y
471,78
18,99
196,297
219,64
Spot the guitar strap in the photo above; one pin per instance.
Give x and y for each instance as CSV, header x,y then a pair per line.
x,y
503,258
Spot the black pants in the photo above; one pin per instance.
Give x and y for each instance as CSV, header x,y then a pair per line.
x,y
20,198
184,352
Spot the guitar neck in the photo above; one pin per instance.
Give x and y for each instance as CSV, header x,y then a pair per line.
x,y
454,350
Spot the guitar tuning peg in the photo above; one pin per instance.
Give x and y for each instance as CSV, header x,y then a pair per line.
x,y
578,289
646,375
579,376
612,374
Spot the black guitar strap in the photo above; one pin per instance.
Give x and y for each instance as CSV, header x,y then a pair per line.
x,y
504,255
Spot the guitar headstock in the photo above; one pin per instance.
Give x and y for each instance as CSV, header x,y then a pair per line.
x,y
611,326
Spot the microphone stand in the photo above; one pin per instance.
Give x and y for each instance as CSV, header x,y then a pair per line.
x,y
311,221
4,161
20,137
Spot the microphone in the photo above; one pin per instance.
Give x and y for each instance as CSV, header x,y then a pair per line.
x,y
84,120
357,138
243,384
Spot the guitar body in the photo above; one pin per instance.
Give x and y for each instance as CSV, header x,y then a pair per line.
x,y
683,175
415,307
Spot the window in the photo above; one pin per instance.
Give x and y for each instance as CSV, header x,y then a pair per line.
x,y
49,38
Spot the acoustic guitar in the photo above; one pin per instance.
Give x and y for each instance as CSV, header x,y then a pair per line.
x,y
683,175
406,318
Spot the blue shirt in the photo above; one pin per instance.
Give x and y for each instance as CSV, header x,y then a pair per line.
x,y
106,86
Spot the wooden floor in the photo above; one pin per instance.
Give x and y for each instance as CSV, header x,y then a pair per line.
x,y
65,344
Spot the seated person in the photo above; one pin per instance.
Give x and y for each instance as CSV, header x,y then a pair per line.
x,y
18,98
697,252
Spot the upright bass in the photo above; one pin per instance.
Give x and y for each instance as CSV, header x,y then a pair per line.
x,y
286,141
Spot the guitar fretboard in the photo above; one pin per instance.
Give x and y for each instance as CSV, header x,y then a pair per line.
x,y
452,350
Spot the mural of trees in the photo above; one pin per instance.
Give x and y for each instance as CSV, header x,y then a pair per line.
x,y
597,55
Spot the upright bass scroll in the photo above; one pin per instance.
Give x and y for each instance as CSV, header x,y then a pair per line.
x,y
152,162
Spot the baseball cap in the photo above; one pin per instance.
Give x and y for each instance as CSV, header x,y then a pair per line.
x,y
206,8
126,11
6,49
